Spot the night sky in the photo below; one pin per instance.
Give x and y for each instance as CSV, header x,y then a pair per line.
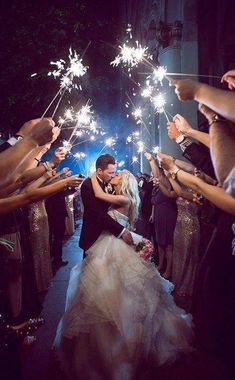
x,y
34,33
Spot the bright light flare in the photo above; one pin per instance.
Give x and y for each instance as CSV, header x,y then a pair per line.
x,y
110,141
130,56
137,113
68,71
156,149
159,74
159,102
121,163
66,146
79,155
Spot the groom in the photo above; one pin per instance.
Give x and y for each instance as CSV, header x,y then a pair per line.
x,y
95,217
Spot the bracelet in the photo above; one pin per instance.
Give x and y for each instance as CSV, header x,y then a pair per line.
x,y
216,119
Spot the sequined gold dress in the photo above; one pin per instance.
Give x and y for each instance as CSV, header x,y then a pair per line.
x,y
186,248
39,241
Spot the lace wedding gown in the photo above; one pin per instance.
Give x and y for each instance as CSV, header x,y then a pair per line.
x,y
119,312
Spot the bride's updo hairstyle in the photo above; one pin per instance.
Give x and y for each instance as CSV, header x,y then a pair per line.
x,y
129,188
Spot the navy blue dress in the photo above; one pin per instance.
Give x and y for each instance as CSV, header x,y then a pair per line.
x,y
165,216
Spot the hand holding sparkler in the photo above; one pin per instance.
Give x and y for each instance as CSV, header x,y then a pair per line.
x,y
166,161
43,132
173,131
182,125
74,181
27,127
229,77
186,89
148,156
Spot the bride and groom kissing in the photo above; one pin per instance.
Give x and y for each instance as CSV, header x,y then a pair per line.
x,y
119,310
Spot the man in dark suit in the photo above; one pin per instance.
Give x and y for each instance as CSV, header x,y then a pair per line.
x,y
95,217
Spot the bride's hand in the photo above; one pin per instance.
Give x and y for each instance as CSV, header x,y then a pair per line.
x,y
127,237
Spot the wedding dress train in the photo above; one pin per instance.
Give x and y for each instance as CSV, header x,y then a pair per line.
x,y
119,311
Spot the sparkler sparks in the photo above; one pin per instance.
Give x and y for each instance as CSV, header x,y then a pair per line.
x,y
137,113
159,74
159,102
134,159
156,149
79,155
110,141
130,56
67,72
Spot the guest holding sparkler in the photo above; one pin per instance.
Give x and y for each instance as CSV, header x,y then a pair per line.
x,y
214,305
42,133
165,217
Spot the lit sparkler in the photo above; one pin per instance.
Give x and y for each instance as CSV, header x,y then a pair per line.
x,y
156,149
159,102
137,113
134,159
159,74
79,155
67,72
121,164
130,56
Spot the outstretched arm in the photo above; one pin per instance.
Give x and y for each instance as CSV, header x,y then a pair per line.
x,y
220,101
12,203
214,194
120,200
186,129
153,165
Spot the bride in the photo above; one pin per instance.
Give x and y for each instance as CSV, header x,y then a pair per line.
x,y
119,310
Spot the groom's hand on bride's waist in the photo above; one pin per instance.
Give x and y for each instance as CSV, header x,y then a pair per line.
x,y
127,237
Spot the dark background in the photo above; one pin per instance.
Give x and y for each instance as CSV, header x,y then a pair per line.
x,y
34,33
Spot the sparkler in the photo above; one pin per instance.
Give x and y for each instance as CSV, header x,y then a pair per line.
x,y
160,72
130,56
79,155
134,159
159,102
156,149
67,73
121,164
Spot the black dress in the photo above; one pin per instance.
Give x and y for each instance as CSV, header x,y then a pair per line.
x,y
165,216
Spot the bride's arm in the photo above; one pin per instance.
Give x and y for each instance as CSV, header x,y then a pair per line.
x,y
120,200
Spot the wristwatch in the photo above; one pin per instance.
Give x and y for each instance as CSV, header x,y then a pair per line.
x,y
14,139
180,139
215,119
174,173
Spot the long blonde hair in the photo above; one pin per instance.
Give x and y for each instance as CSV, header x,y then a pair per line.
x,y
129,188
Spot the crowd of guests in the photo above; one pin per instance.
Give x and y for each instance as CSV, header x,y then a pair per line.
x,y
193,209
32,227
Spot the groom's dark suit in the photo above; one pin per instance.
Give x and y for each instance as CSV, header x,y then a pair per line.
x,y
95,217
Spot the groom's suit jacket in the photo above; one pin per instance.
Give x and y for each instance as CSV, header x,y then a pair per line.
x,y
95,217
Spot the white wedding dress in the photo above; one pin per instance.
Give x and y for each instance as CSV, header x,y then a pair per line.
x,y
119,313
